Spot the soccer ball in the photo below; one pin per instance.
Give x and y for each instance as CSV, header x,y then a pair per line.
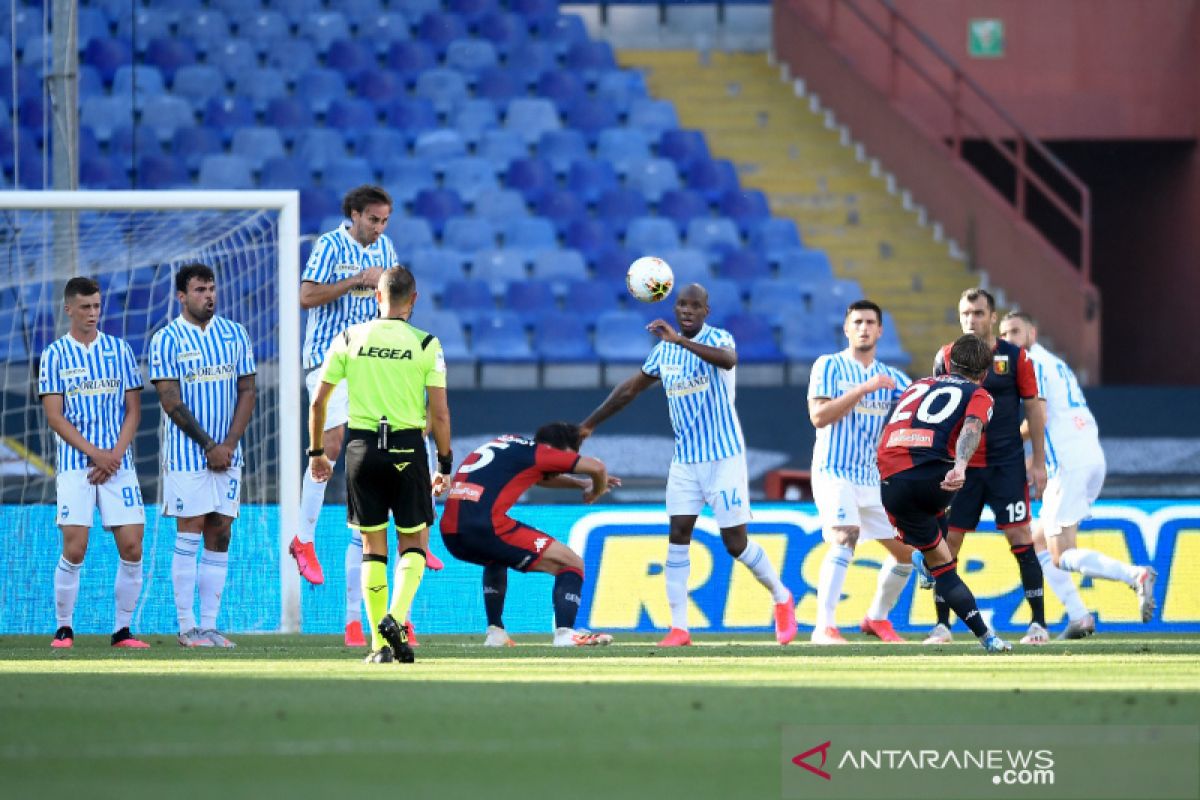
x,y
649,279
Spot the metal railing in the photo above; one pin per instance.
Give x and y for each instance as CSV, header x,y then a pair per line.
x,y
963,88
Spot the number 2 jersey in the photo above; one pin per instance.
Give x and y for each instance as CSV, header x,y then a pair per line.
x,y
1010,380
922,432
494,477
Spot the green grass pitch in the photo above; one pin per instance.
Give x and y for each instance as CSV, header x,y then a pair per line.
x,y
293,716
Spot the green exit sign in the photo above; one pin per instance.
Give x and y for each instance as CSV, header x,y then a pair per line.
x,y
985,38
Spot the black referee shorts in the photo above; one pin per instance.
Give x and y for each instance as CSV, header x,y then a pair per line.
x,y
394,480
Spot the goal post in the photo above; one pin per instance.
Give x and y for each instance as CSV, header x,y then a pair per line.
x,y
133,242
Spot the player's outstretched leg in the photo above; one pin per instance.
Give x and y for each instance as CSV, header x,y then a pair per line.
x,y
959,598
1080,622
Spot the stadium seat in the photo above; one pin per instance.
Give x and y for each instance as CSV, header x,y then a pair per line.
x,y
323,28
381,87
504,31
474,117
591,178
618,207
590,237
531,59
649,236
589,57
197,83
319,146
449,330
412,117
591,115
437,206
410,57
139,82
233,57
295,10
889,348
530,117
471,56
499,85
805,266
530,298
208,28
140,27
778,300
470,177
682,206
588,299
619,88
468,234
743,266
498,205
106,54
256,145
561,148
561,87
563,31
284,173
559,267
166,114
383,29
653,178
260,86
192,144
289,116
445,88
562,207
411,234
805,338
439,146
500,337
317,204
472,10
439,29
498,267
530,176
689,266
714,235
561,337
712,178
433,269
621,337
225,172
746,207
652,116
753,338
351,57
774,235
539,11
353,116
91,23
104,114
379,145
262,28
102,173
158,171
469,298
529,233
684,147
624,148
502,147
320,87
343,174
168,55
406,177
225,114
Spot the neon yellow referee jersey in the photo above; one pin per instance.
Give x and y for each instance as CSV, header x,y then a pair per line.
x,y
387,364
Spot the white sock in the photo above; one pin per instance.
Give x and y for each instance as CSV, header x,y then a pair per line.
x,y
829,585
1063,587
755,559
354,578
1097,565
66,590
183,578
213,569
893,576
312,497
127,588
678,567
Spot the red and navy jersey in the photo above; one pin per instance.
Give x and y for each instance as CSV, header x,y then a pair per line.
x,y
924,424
495,476
1011,379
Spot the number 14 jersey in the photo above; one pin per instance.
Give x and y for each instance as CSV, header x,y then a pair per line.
x,y
924,426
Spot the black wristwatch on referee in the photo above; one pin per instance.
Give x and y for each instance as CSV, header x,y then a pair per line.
x,y
316,451
445,463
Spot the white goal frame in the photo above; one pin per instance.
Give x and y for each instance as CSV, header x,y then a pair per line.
x,y
290,441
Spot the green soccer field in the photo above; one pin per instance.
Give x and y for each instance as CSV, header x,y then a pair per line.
x,y
291,716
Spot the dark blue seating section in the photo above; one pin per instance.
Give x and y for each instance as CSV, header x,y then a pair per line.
x,y
528,168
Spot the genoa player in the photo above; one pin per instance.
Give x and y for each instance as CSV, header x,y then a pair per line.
x,y
476,527
938,421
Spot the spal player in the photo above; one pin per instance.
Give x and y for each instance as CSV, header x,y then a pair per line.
x,y
476,527
696,366
91,387
1075,465
203,367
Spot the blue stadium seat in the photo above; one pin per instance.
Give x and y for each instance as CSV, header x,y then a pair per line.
x,y
439,29
590,298
260,86
470,177
143,26
563,31
256,145
469,298
343,174
471,56
591,178
592,116
542,11
563,88
653,178
684,147
714,235
192,144
319,146
504,31
530,117
160,172
624,148
103,174
590,57
530,176
778,300
472,10
434,268
499,267
529,233
289,115
31,111
889,348
746,207
262,28
284,173
468,234
774,235
90,84
682,206
197,83
351,57
169,55
166,114
562,338
619,207
382,87
530,298
499,85
437,206
445,88
106,54
649,236
561,148
619,88
804,339
410,57
351,115
323,28
805,266
502,148
621,337
225,114
498,205
91,23
320,87
104,114
500,337
295,10
380,145
559,267
233,57
139,82
474,117
225,172
439,146
590,237
449,329
743,266
382,30
712,178
531,59
754,339
406,177
655,117
411,234
562,207
412,117
317,204
689,266
208,28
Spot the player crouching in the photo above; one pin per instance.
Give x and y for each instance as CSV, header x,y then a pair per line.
x,y
476,527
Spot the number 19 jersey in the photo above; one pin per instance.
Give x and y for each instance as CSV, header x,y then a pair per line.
x,y
924,426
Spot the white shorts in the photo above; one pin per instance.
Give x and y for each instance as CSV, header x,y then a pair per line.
x,y
194,494
337,412
119,499
721,485
1069,496
845,504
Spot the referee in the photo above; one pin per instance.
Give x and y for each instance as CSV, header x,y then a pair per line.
x,y
391,370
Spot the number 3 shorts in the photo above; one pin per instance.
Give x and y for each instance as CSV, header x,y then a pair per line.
x,y
194,494
119,499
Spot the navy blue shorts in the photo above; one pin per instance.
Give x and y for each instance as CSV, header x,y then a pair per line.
x,y
519,548
916,507
1003,488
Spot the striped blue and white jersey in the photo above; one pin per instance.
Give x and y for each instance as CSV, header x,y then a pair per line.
x,y
335,257
847,448
1072,437
93,379
207,363
700,398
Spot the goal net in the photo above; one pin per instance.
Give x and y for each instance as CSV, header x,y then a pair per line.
x,y
133,244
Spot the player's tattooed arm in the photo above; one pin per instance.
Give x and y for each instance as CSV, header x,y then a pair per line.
x,y
968,440
181,415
